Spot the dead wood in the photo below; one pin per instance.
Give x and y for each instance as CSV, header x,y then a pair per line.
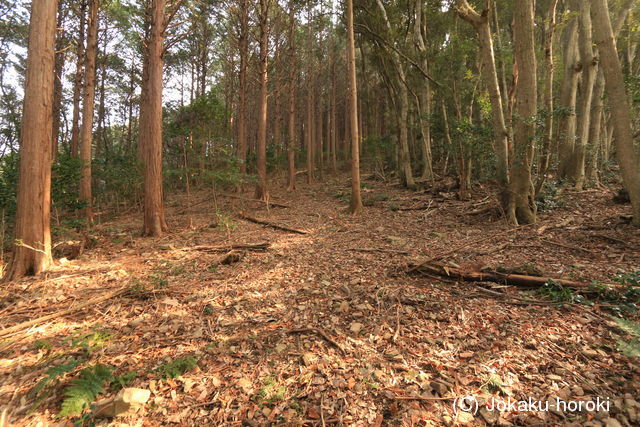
x,y
562,245
370,250
519,280
464,245
246,199
322,333
270,224
92,301
255,247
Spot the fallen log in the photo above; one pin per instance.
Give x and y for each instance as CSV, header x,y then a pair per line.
x,y
257,247
518,280
246,199
270,224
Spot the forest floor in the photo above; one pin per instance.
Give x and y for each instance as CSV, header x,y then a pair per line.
x,y
327,327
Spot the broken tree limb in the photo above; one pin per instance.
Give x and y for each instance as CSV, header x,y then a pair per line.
x,y
270,224
90,302
257,247
518,280
267,202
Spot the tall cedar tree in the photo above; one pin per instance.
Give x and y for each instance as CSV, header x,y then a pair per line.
x,y
32,250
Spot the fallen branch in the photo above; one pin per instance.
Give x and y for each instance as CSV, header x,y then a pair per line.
x,y
322,333
369,250
464,245
257,247
519,280
270,224
573,248
267,202
93,301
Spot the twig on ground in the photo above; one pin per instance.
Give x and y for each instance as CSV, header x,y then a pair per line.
x,y
322,333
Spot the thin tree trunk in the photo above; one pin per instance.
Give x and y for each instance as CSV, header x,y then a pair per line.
x,y
589,73
32,250
242,90
501,137
568,98
522,208
424,104
291,143
619,103
356,199
57,83
406,174
545,155
86,131
262,192
77,85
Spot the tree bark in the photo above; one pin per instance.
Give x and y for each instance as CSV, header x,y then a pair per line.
x,y
589,73
57,83
628,158
150,134
291,143
89,92
32,250
501,137
77,85
406,174
262,192
242,89
522,208
568,98
356,199
424,97
545,155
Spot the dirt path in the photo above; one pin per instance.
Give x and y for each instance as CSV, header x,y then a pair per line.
x,y
326,328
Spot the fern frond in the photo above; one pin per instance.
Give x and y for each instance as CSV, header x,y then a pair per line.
x,y
84,389
52,374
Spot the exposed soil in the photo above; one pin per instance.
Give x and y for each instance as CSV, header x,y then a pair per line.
x,y
327,328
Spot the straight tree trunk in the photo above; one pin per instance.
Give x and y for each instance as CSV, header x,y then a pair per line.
x,y
522,209
262,192
242,90
619,104
568,98
86,131
150,134
309,134
424,97
57,83
589,73
356,199
545,155
77,85
291,143
501,137
406,174
32,249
